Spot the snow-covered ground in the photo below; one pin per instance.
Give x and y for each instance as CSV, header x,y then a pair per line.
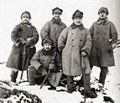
x,y
112,87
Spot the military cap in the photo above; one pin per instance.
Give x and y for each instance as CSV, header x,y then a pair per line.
x,y
77,14
47,40
103,9
58,10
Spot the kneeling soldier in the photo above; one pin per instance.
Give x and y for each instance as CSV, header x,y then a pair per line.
x,y
41,62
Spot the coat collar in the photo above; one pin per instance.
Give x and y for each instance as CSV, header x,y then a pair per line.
x,y
56,21
73,26
29,25
50,52
102,21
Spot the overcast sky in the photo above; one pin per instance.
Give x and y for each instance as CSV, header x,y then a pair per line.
x,y
41,11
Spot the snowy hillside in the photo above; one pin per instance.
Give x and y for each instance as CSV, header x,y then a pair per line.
x,y
112,87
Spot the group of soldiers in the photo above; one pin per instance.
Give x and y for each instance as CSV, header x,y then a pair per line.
x,y
67,51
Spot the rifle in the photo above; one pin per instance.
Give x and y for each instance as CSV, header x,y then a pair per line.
x,y
83,66
23,61
48,72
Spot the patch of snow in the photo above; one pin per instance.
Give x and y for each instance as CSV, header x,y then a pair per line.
x,y
112,86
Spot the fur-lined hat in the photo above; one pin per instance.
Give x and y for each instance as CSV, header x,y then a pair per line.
x,y
58,10
77,14
103,9
47,40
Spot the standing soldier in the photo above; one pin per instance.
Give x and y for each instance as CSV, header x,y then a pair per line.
x,y
75,42
104,38
53,28
24,37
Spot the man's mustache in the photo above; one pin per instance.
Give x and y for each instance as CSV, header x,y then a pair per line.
x,y
47,48
102,15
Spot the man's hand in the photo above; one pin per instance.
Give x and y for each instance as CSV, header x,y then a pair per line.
x,y
23,42
83,53
17,44
114,45
27,43
51,66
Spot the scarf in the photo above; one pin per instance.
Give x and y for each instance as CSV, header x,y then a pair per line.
x,y
81,26
26,24
50,52
102,21
58,21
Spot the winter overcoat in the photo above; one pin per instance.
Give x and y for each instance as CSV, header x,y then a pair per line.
x,y
41,61
73,41
103,36
19,54
52,30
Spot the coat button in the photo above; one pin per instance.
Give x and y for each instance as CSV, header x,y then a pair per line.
x,y
73,46
72,33
72,39
82,34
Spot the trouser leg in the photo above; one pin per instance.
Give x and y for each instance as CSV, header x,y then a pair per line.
x,y
70,84
87,90
31,73
91,66
103,74
14,76
81,81
87,82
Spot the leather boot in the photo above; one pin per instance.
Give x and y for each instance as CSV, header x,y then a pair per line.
x,y
14,76
88,92
70,84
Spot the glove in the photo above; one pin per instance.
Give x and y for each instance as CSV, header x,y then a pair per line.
x,y
83,53
27,43
23,42
113,46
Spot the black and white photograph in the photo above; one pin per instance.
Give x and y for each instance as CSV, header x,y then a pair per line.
x,y
59,51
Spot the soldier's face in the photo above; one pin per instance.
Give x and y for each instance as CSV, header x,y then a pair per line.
x,y
56,15
103,15
47,46
25,18
77,21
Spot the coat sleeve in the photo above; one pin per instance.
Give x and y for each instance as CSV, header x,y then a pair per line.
x,y
62,39
34,39
15,35
45,31
113,33
88,43
35,61
92,30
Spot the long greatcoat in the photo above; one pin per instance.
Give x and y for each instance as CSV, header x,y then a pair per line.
x,y
73,41
22,32
41,61
103,36
52,29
